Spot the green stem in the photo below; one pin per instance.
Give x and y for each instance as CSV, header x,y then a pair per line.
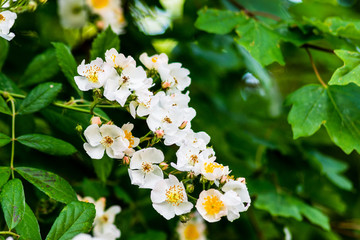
x,y
12,135
6,94
142,139
191,197
9,233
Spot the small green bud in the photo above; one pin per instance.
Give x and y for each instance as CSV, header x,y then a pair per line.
x,y
184,218
79,128
190,188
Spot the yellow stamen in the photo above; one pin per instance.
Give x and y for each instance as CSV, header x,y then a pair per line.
x,y
174,195
147,167
2,18
91,73
210,167
130,138
213,205
107,141
191,232
154,59
99,3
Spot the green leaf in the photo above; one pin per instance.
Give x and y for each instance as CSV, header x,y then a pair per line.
x,y
104,41
47,144
219,21
39,97
6,84
12,199
149,235
67,64
103,167
4,139
335,107
4,108
261,42
350,72
43,67
4,49
51,184
4,175
75,218
28,228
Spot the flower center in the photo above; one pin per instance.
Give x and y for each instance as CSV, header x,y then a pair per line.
x,y
147,167
2,18
99,3
125,79
154,59
104,218
213,205
194,159
92,73
107,141
191,232
174,195
167,119
130,138
210,167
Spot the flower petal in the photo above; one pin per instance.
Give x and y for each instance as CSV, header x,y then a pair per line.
x,y
94,152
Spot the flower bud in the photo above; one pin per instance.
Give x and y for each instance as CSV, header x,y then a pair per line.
x,y
164,166
165,85
183,125
203,180
110,123
159,133
100,24
32,6
126,160
79,128
96,120
190,188
184,218
224,179
190,175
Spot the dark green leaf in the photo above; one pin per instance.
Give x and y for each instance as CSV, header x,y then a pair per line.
x,y
4,49
335,107
8,85
47,144
12,199
219,21
39,97
51,184
104,41
28,228
4,139
4,108
348,73
4,175
103,167
95,189
149,235
67,64
41,68
122,194
75,218
261,42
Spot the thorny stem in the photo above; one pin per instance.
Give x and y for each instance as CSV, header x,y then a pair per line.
x,y
9,233
13,113
315,69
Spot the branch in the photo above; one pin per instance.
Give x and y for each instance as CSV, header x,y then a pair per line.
x,y
254,13
308,45
315,69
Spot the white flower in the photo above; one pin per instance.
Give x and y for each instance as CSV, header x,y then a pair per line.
x,y
210,205
89,78
194,229
238,189
83,236
197,140
118,60
72,13
143,171
188,159
175,76
7,20
233,205
155,61
133,141
9,238
107,137
169,198
212,170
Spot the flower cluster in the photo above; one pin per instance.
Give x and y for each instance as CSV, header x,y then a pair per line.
x,y
156,94
104,228
75,13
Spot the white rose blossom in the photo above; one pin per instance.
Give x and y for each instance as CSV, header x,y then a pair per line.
x,y
155,61
174,76
83,236
90,75
212,170
143,169
133,141
169,198
7,20
211,206
109,138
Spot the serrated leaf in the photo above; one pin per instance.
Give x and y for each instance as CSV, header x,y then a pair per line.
x,y
4,49
43,67
40,97
104,41
4,139
4,108
75,218
219,21
67,64
12,199
103,167
28,228
47,144
350,72
260,41
4,175
51,184
335,107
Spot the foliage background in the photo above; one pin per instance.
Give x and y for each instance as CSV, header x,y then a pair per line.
x,y
247,122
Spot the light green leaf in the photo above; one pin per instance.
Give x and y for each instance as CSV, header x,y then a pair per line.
x,y
335,107
4,139
43,67
12,199
103,167
47,144
39,97
4,49
219,21
67,64
104,41
51,184
262,42
348,73
75,218
28,228
4,175
4,108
